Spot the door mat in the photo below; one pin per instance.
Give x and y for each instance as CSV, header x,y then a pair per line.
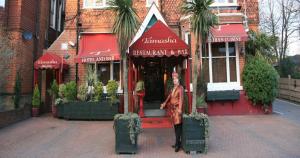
x,y
156,122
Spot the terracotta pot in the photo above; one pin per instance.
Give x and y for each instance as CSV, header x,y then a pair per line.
x,y
54,111
35,112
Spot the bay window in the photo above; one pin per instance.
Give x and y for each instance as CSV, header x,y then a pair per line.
x,y
220,66
107,71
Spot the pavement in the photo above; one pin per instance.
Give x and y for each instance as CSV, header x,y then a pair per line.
x,y
256,136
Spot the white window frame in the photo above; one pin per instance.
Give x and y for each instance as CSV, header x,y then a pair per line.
x,y
228,85
149,5
105,5
216,4
53,18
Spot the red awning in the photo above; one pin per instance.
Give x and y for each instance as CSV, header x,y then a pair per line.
x,y
228,33
50,61
98,48
159,41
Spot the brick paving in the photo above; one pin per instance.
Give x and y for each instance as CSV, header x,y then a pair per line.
x,y
230,136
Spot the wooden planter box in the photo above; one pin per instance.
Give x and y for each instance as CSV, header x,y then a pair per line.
x,y
193,135
123,143
87,110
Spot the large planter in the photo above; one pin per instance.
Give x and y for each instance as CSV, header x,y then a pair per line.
x,y
80,110
126,134
195,133
35,112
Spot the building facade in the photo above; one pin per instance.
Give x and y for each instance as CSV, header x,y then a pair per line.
x,y
88,28
28,24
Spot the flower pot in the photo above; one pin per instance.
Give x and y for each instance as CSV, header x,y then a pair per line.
x,y
35,112
54,111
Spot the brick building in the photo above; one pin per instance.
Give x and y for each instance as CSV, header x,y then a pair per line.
x,y
29,29
88,27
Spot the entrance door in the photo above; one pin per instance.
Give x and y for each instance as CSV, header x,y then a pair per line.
x,y
154,84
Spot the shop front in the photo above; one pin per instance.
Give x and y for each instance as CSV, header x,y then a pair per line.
x,y
153,58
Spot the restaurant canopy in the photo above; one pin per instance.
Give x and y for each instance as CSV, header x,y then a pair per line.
x,y
159,41
98,48
50,61
228,33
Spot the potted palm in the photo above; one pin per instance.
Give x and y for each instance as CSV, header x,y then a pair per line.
x,y
36,101
125,27
195,125
53,91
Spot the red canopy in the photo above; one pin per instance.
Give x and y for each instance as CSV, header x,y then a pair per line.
x,y
228,33
50,61
159,41
98,48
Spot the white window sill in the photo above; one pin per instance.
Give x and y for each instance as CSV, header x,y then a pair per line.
x,y
224,5
224,86
102,7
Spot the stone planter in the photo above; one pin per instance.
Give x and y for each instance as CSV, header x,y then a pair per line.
x,y
124,142
80,110
194,135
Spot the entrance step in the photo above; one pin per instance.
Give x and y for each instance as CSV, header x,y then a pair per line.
x,y
155,112
156,122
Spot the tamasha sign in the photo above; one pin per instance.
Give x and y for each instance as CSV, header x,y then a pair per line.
x,y
159,41
51,64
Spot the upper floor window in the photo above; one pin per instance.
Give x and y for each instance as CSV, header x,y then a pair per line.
x,y
224,2
95,3
2,3
149,2
53,14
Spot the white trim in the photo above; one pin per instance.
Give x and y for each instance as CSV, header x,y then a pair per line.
x,y
210,63
237,63
227,62
153,11
186,37
149,5
111,76
223,86
224,4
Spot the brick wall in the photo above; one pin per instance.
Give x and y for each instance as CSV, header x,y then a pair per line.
x,y
21,16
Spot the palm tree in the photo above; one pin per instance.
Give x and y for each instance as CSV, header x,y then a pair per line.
x,y
125,26
202,20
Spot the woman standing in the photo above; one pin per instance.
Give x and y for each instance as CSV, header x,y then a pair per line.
x,y
175,102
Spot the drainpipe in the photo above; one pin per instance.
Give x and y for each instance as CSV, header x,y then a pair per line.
x,y
77,38
36,39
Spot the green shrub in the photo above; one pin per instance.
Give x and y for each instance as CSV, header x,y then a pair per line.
x,y
54,89
112,87
71,91
260,81
61,90
82,91
98,91
36,98
17,88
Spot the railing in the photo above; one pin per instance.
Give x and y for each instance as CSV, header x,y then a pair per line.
x,y
289,89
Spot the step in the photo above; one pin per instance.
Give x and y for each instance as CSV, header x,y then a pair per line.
x,y
155,112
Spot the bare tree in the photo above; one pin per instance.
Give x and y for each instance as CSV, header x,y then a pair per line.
x,y
280,19
6,54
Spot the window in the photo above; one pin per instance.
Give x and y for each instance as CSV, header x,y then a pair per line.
x,y
95,3
220,64
224,3
107,71
53,14
149,2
